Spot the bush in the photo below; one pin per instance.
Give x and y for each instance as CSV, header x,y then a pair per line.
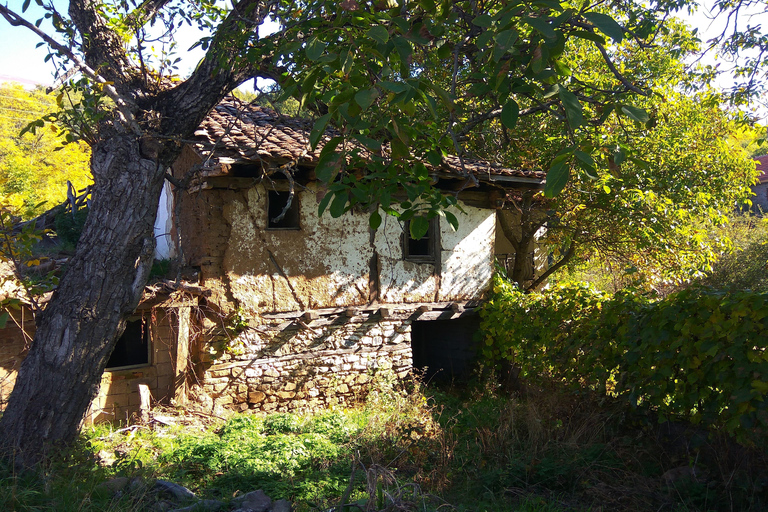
x,y
698,354
69,227
745,266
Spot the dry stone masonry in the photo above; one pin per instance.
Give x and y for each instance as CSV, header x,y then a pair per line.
x,y
291,364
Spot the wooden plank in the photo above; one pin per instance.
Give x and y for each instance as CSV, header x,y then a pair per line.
x,y
182,356
145,402
308,316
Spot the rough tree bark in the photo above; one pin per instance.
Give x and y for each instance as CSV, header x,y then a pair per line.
x,y
105,279
529,218
99,290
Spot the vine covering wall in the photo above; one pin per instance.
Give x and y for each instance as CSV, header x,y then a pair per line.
x,y
698,354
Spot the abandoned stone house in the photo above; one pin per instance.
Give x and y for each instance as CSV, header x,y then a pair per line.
x,y
304,312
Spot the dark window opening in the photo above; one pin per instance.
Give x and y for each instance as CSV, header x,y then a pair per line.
x,y
276,204
247,171
132,348
425,249
445,350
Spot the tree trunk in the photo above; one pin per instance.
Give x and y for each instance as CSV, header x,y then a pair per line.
x,y
99,290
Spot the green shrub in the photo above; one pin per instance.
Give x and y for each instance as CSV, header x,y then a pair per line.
x,y
698,353
745,266
69,227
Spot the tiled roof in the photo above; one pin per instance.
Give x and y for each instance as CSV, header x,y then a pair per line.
x,y
238,132
762,166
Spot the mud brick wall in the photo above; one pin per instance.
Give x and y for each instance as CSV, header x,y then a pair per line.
x,y
286,366
118,396
15,339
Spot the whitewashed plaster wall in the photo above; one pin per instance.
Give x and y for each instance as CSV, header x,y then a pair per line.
x,y
466,261
323,264
327,262
467,255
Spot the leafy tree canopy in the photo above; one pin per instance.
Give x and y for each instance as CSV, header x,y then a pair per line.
x,y
35,168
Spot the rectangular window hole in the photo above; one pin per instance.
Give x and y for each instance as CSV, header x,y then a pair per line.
x,y
423,250
132,348
276,204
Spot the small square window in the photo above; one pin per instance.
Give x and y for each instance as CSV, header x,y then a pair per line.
x,y
276,202
424,250
132,348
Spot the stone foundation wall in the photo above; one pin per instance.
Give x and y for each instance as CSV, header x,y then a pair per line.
x,y
301,365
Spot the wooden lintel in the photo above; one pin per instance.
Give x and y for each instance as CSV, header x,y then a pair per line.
x,y
308,316
386,312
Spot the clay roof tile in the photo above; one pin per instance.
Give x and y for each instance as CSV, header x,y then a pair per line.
x,y
245,132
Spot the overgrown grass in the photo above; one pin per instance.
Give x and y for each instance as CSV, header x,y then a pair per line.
x,y
471,449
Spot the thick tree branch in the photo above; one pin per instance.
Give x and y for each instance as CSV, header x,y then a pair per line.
x,y
102,47
621,78
122,105
145,12
222,69
554,268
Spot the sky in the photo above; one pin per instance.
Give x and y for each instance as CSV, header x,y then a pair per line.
x,y
21,62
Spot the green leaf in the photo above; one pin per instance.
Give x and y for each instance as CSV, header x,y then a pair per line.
x,y
399,149
551,91
452,220
434,157
506,39
318,130
419,226
483,39
539,60
557,176
4,319
421,171
584,157
619,156
315,49
483,20
378,34
541,26
606,24
372,144
395,87
374,220
25,6
366,97
591,36
572,107
338,205
510,113
324,203
587,163
326,166
403,47
636,113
